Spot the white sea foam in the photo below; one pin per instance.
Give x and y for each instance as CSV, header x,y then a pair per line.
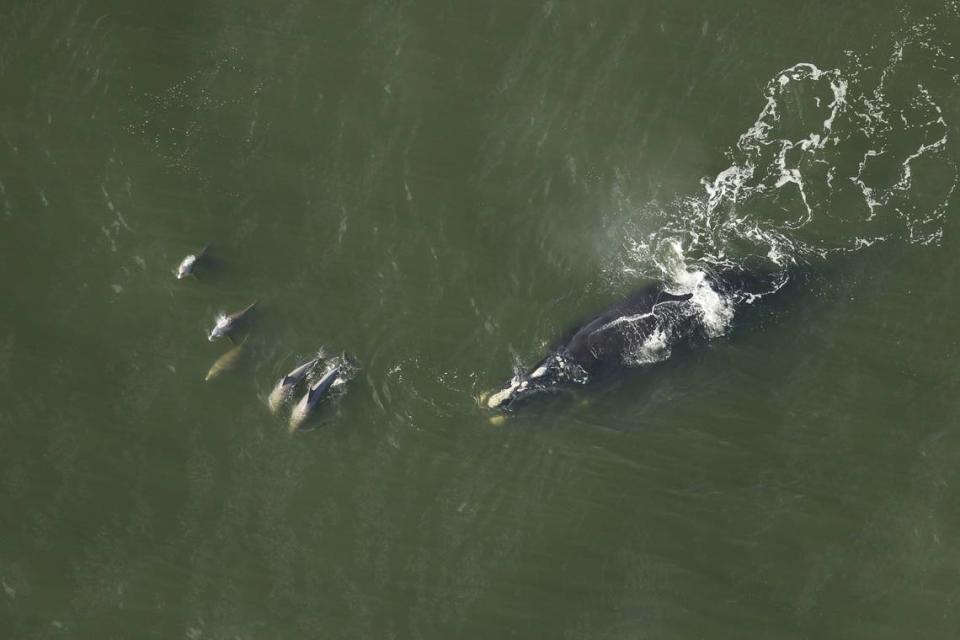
x,y
716,311
654,348
794,158
794,190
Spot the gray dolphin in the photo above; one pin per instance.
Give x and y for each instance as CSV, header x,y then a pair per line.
x,y
227,361
191,262
312,397
286,385
227,324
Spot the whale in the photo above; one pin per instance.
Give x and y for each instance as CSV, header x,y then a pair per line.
x,y
638,330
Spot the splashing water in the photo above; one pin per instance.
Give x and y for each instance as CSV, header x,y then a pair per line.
x,y
836,161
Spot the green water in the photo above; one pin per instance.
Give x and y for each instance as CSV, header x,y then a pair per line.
x,y
440,188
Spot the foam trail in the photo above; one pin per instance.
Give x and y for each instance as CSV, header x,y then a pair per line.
x,y
795,191
837,160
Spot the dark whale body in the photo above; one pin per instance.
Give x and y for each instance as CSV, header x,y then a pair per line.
x,y
627,333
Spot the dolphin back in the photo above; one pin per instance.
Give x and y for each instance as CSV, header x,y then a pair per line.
x,y
298,374
322,386
240,315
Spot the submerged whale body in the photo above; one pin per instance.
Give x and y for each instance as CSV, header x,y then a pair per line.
x,y
639,330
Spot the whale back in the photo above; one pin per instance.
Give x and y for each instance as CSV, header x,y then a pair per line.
x,y
605,338
637,329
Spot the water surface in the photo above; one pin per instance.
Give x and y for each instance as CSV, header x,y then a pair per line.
x,y
440,189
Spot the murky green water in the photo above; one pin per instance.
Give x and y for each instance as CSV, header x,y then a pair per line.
x,y
441,188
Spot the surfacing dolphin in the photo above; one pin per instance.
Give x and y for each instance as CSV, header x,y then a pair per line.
x,y
312,397
285,387
189,264
227,324
638,329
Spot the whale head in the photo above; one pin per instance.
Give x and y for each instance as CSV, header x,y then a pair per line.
x,y
501,399
548,374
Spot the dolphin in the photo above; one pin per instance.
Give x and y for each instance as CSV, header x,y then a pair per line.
x,y
227,324
227,361
191,262
286,385
312,397
639,329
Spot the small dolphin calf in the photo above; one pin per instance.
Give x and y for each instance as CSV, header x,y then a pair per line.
x,y
227,361
227,324
285,387
190,263
312,398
